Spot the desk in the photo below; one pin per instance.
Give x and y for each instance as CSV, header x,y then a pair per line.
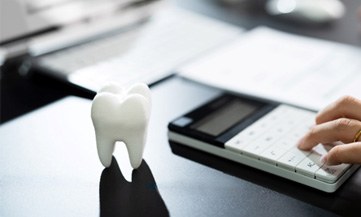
x,y
191,183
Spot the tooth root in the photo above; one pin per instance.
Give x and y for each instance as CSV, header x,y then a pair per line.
x,y
105,148
135,149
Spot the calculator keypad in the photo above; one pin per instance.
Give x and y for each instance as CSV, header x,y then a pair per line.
x,y
273,138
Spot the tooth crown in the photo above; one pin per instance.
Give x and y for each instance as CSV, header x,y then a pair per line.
x,y
120,115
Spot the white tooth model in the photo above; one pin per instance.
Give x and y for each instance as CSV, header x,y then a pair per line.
x,y
121,115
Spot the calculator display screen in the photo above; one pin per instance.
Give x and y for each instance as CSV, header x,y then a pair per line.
x,y
225,117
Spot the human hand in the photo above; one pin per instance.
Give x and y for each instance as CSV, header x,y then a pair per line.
x,y
340,121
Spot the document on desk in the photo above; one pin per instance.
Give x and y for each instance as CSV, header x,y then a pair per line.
x,y
292,69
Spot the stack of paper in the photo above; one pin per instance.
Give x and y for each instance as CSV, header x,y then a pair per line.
x,y
282,67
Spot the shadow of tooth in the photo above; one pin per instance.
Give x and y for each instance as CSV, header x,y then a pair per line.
x,y
141,197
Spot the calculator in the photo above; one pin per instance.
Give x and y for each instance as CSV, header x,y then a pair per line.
x,y
262,135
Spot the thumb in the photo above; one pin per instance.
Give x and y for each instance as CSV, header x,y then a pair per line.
x,y
346,153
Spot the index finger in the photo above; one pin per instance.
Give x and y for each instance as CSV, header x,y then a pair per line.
x,y
342,129
346,153
346,106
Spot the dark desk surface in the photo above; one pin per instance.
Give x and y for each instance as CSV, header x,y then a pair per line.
x,y
189,182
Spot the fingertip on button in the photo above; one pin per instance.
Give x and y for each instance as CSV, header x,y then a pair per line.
x,y
300,143
324,159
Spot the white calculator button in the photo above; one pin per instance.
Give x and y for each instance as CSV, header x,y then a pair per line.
x,y
331,173
284,143
309,116
242,139
298,112
279,111
273,153
291,158
260,144
309,165
271,119
321,149
236,145
279,129
296,134
262,125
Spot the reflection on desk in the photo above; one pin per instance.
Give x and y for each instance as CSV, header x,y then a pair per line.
x,y
141,197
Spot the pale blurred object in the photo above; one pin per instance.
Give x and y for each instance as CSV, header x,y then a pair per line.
x,y
2,56
307,11
233,1
270,64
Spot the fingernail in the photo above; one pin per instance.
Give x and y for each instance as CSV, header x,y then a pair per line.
x,y
300,143
324,159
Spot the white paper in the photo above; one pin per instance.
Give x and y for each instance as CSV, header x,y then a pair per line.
x,y
292,69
